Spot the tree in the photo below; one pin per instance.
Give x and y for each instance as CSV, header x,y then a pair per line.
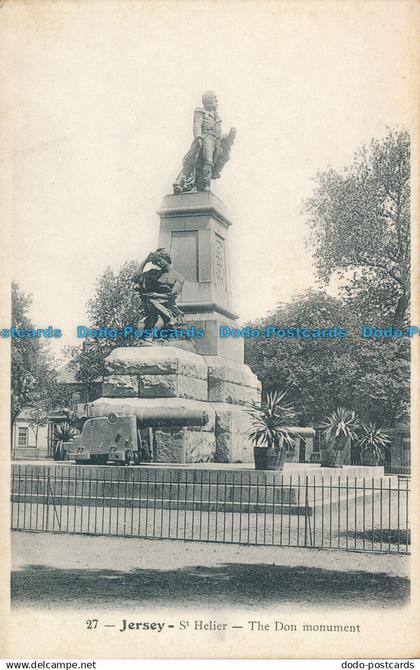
x,y
360,229
38,415
32,364
115,304
33,370
367,375
86,361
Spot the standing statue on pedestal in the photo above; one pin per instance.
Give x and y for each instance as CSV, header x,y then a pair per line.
x,y
159,287
209,151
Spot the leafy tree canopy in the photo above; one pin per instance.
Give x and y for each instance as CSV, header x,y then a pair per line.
x,y
115,304
360,228
33,384
366,375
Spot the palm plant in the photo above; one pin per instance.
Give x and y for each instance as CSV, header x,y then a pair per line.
x,y
339,428
271,422
64,432
374,441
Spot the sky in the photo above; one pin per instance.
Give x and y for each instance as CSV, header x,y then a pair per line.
x,y
100,97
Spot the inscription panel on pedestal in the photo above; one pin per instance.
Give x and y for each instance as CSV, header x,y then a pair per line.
x,y
184,252
220,260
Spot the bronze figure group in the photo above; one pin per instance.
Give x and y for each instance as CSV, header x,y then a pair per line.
x,y
159,287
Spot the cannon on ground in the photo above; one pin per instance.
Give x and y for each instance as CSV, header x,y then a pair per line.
x,y
118,440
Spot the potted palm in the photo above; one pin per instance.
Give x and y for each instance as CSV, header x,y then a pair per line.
x,y
63,432
340,429
373,442
270,430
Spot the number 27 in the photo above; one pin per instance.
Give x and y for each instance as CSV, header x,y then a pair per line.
x,y
91,624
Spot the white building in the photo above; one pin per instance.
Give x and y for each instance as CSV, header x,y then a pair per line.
x,y
29,441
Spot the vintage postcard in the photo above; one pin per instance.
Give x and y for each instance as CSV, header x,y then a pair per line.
x,y
210,329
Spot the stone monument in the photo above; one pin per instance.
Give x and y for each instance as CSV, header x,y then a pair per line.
x,y
207,374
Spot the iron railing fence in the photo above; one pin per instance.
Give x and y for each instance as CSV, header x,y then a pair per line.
x,y
403,470
245,507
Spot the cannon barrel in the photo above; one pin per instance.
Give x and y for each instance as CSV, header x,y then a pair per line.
x,y
154,417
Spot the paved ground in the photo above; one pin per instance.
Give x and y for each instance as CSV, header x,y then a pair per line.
x,y
53,570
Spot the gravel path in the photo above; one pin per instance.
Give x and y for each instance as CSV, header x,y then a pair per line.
x,y
53,570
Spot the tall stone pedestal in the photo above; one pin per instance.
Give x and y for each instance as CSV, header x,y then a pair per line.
x,y
194,228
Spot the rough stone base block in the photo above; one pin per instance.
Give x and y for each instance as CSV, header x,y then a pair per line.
x,y
172,386
200,447
232,442
234,394
155,359
222,369
120,386
184,446
169,446
231,382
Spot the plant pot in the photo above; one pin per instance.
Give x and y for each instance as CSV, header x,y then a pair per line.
x,y
58,454
267,458
368,459
328,458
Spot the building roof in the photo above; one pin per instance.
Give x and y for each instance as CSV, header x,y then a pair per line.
x,y
24,415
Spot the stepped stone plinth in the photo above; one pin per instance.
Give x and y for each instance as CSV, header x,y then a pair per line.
x,y
179,383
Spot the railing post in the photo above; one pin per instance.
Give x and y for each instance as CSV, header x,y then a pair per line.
x,y
47,501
